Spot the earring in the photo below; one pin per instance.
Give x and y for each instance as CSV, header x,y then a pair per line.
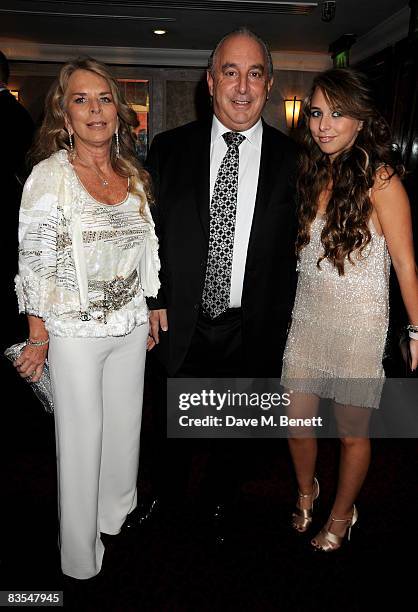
x,y
70,137
117,144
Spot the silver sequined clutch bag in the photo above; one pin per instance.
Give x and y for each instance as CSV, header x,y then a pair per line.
x,y
42,388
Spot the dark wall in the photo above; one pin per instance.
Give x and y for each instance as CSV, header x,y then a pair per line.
x,y
394,76
32,92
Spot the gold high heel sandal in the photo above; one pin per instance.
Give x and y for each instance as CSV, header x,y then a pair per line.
x,y
302,517
327,541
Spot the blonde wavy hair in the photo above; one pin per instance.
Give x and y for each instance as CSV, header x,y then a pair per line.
x,y
53,135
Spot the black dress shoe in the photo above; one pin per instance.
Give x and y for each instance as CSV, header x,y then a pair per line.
x,y
143,513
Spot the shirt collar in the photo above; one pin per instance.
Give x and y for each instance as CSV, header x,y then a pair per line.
x,y
253,135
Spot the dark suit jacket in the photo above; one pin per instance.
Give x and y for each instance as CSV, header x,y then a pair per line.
x,y
179,165
16,128
16,133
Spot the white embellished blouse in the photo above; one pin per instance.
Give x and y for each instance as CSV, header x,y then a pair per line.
x,y
85,267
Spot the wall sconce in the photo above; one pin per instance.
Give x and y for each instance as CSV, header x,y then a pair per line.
x,y
292,110
15,93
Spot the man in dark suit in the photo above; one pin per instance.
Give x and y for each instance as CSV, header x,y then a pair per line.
x,y
225,217
16,129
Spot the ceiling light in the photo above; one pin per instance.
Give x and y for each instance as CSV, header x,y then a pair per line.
x,y
160,32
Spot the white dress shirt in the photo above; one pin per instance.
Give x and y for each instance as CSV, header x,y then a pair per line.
x,y
249,165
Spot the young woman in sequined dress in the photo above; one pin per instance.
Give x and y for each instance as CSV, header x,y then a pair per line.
x,y
354,220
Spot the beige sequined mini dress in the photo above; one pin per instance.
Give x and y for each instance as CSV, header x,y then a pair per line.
x,y
339,324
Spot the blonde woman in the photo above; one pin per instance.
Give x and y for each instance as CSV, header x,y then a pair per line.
x,y
87,260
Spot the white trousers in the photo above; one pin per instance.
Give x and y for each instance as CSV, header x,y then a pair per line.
x,y
98,390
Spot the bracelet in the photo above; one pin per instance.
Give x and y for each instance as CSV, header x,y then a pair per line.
x,y
413,335
412,328
37,342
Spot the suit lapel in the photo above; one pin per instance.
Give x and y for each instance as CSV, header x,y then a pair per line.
x,y
267,176
200,167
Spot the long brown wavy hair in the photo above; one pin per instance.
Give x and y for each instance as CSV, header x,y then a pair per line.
x,y
53,136
351,174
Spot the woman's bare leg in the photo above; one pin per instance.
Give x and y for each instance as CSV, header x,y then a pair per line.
x,y
353,426
303,448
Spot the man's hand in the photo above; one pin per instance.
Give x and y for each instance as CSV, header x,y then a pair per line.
x,y
158,320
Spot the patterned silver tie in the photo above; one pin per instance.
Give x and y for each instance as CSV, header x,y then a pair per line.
x,y
223,208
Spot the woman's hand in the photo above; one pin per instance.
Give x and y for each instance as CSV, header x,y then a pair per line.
x,y
413,345
30,362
